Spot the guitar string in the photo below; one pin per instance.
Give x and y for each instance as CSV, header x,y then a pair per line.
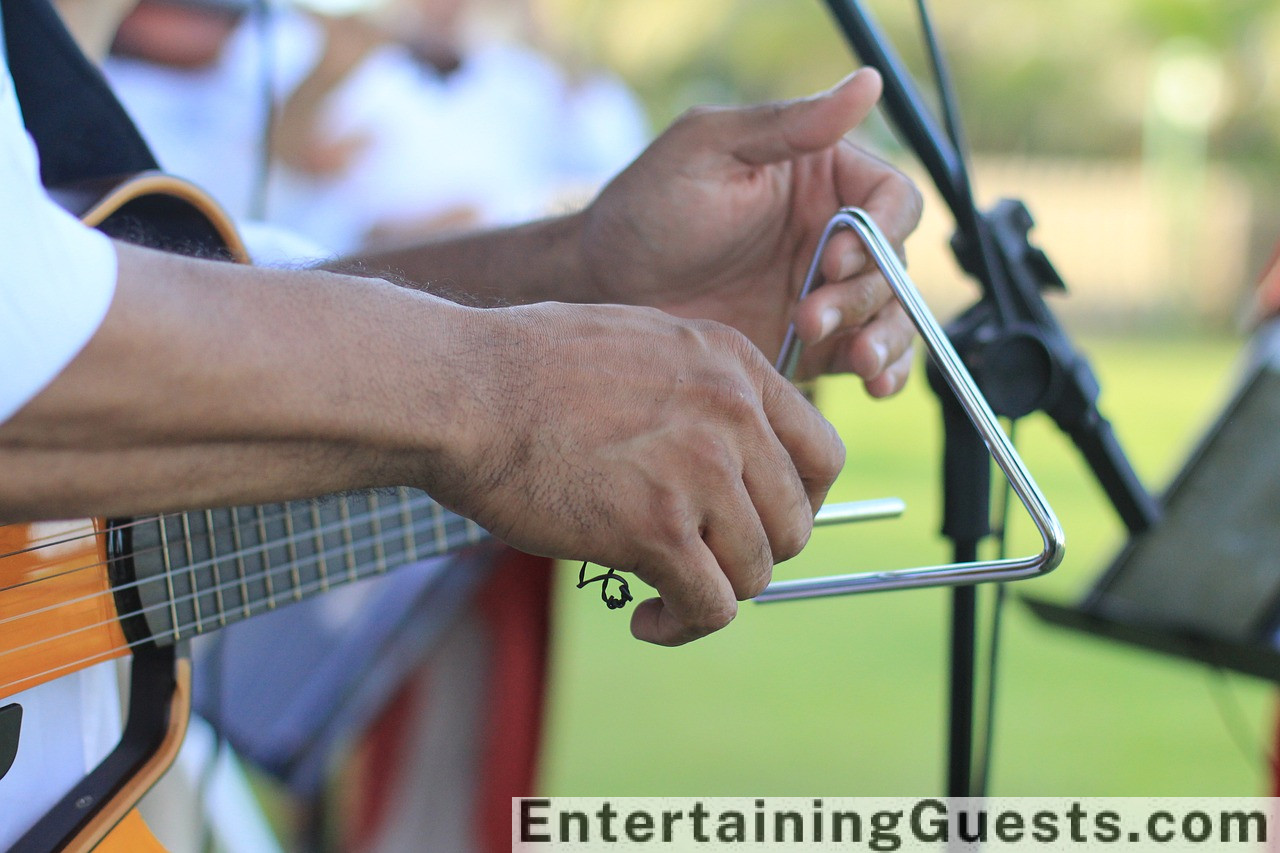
x,y
176,631
50,540
463,532
411,503
91,531
113,651
164,546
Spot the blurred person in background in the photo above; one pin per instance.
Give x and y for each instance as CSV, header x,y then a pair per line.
x,y
454,122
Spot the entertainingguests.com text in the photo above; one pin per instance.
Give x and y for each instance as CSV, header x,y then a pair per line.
x,y
890,824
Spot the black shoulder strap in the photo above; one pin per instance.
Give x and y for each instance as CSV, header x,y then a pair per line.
x,y
87,143
80,129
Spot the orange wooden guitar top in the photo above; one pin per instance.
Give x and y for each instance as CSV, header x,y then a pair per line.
x,y
57,613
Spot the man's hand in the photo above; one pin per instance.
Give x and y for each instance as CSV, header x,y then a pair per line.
x,y
720,217
642,442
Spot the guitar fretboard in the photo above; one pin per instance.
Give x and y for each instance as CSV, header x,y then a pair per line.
x,y
199,571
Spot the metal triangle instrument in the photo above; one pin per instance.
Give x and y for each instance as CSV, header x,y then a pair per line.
x,y
974,404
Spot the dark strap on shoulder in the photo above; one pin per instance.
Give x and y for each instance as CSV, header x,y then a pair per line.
x,y
80,129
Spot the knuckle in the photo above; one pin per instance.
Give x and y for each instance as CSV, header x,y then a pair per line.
x,y
912,198
696,112
675,531
709,453
720,336
865,300
753,578
830,460
714,617
915,202
835,454
730,398
756,583
789,543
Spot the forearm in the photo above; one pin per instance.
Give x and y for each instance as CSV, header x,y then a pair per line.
x,y
71,483
536,262
210,383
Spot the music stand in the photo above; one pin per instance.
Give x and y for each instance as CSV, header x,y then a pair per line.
x,y
1204,583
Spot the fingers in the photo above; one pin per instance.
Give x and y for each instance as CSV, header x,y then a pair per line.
x,y
760,488
697,599
707,565
811,442
880,344
879,351
893,201
893,378
780,131
784,503
841,306
864,180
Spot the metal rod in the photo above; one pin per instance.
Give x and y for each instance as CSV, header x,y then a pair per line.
x,y
869,510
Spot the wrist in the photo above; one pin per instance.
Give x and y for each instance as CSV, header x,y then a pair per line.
x,y
556,270
421,405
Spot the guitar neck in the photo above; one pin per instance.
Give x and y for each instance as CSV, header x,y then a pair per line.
x,y
196,572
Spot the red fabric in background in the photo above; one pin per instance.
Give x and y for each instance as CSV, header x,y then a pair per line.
x,y
514,607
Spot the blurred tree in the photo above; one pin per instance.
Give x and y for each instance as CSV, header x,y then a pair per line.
x,y
1067,78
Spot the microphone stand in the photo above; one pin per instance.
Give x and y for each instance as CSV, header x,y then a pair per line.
x,y
1020,357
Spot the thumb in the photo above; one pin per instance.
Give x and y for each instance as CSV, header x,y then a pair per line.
x,y
779,131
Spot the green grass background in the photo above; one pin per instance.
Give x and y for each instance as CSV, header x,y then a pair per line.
x,y
848,696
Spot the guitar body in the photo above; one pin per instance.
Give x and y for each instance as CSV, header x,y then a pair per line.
x,y
130,835
54,562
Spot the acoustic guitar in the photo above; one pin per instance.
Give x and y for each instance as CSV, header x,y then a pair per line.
x,y
78,592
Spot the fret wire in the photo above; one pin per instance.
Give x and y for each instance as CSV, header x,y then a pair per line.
x,y
168,576
217,572
375,524
349,557
437,517
156,520
266,559
99,564
185,520
101,656
238,540
318,538
90,531
291,549
472,532
175,632
406,521
462,524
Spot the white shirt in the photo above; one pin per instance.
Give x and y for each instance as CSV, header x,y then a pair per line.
x,y
192,118
57,278
503,139
56,283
